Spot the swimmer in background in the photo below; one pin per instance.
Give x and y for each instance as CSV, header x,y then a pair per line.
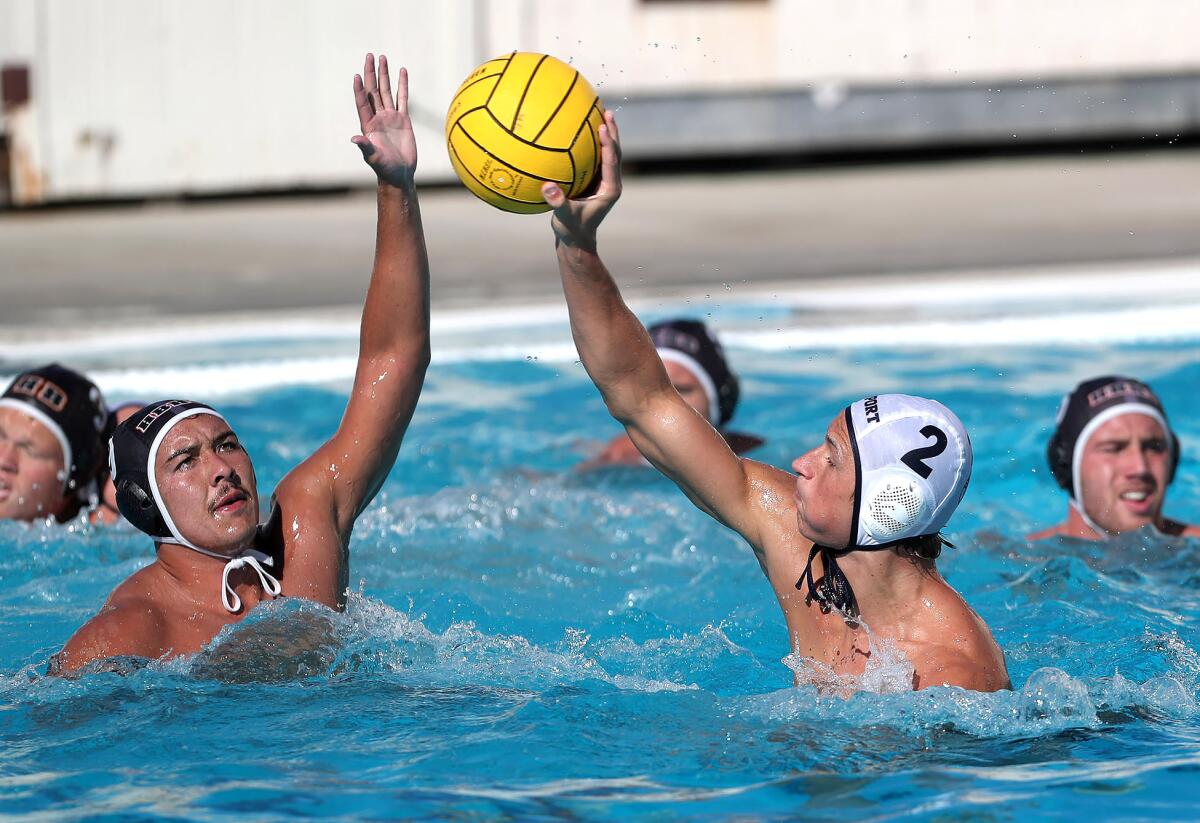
x,y
53,432
183,477
847,543
1114,453
106,512
696,365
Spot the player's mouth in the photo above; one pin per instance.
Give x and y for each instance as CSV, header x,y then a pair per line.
x,y
231,502
5,490
1138,501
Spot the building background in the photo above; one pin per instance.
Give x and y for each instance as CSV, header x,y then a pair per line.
x,y
154,98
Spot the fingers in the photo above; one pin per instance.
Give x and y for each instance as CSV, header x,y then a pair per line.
x,y
554,195
610,163
610,120
363,102
385,84
402,91
371,82
365,145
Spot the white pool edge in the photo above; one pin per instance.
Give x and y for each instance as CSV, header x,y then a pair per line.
x,y
1148,301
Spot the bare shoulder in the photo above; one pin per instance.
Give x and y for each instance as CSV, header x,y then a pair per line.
x,y
1044,534
977,673
309,481
963,653
129,624
1178,529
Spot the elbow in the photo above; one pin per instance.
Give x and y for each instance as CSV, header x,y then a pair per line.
x,y
423,357
628,407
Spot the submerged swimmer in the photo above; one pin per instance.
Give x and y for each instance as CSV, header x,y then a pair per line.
x,y
53,427
183,477
696,366
1113,452
106,510
847,543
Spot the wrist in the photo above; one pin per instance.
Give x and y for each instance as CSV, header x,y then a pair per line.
x,y
577,254
403,186
576,247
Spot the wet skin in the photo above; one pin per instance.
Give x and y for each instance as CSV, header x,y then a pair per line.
x,y
1123,478
206,480
902,598
207,484
621,451
31,469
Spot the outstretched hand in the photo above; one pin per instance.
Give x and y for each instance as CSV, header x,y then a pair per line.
x,y
576,221
387,141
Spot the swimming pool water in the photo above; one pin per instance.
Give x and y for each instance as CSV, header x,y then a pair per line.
x,y
529,641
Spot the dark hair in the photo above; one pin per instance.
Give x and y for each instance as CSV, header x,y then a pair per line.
x,y
926,546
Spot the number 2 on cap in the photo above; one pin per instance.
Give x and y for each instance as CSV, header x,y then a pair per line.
x,y
916,458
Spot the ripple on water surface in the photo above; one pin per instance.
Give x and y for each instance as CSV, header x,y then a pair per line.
x,y
530,641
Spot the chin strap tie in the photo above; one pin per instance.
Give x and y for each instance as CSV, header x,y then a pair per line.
x,y
832,590
253,559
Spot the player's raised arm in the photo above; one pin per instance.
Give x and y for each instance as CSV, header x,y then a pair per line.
x,y
394,338
621,360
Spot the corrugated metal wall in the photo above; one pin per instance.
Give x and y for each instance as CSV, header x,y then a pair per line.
x,y
144,97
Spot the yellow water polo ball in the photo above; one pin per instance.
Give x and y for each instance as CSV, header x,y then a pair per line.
x,y
519,121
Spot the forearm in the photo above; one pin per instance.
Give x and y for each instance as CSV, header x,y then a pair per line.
x,y
395,321
613,345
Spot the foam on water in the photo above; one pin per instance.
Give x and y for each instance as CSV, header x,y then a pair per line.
x,y
526,640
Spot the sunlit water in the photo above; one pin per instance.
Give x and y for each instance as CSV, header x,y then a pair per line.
x,y
530,641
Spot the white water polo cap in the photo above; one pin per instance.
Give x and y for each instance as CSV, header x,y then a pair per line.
x,y
912,459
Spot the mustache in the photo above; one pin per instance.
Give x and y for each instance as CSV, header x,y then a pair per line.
x,y
226,490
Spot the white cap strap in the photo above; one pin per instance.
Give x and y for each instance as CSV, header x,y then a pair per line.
x,y
55,429
1081,443
270,585
702,377
176,537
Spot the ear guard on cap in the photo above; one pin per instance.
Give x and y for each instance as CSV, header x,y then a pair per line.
x,y
139,508
912,461
894,504
131,454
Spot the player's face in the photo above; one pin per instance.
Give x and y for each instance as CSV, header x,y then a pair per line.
x,y
207,483
825,488
1123,473
32,473
689,388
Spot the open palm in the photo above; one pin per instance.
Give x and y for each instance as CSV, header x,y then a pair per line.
x,y
387,141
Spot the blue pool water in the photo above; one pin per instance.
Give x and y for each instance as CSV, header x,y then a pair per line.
x,y
528,641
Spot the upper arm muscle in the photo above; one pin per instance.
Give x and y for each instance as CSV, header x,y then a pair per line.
x,y
685,447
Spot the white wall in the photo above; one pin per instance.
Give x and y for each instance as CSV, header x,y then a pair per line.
x,y
135,97
145,96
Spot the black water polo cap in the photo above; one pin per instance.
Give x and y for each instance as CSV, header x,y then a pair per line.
x,y
691,344
72,408
131,454
1087,407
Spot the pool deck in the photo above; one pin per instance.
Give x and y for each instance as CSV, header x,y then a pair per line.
x,y
84,270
